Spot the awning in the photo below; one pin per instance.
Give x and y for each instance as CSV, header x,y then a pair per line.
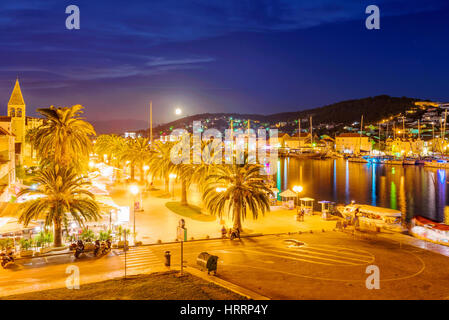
x,y
106,201
288,194
11,225
9,209
307,199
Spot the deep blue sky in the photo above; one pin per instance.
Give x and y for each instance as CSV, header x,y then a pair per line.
x,y
242,56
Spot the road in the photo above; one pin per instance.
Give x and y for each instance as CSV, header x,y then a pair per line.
x,y
330,265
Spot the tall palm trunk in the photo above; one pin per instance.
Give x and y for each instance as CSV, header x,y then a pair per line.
x,y
238,216
57,232
184,193
166,182
133,169
142,174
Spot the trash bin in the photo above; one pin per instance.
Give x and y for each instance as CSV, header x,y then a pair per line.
x,y
207,262
167,258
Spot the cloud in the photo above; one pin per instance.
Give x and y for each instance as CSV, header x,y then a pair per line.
x,y
161,61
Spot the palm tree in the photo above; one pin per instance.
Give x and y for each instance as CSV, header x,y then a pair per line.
x,y
160,162
196,173
241,188
64,136
114,147
62,193
138,152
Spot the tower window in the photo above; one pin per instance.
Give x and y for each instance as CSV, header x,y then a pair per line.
x,y
13,112
19,112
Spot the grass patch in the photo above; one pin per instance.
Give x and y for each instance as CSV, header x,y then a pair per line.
x,y
157,286
189,211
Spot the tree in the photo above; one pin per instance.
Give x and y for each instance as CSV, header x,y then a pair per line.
x,y
63,138
113,146
197,173
138,152
241,189
160,162
62,193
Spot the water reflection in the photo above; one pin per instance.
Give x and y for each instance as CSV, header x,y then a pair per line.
x,y
411,189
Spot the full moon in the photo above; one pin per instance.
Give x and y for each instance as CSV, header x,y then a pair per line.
x,y
178,111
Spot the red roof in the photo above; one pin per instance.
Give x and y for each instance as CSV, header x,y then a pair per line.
x,y
350,135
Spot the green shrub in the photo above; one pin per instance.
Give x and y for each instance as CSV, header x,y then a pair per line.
x,y
25,244
87,235
6,243
104,235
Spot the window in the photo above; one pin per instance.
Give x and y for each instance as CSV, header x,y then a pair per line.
x,y
19,112
13,112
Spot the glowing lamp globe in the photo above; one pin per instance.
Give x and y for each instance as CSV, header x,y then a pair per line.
x,y
134,189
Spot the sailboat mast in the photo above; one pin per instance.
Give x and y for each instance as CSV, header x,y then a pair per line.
x,y
403,127
151,122
419,131
311,131
360,137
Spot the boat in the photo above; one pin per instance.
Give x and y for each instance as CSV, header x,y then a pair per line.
x,y
409,161
429,230
398,162
437,163
357,159
372,216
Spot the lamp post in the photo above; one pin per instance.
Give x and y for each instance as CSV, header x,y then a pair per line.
x,y
298,190
134,189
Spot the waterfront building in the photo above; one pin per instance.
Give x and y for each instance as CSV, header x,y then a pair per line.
x,y
404,147
295,142
353,143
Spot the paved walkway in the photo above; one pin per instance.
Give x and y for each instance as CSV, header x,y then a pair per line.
x,y
157,222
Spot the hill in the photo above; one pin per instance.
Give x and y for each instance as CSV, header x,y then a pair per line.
x,y
339,114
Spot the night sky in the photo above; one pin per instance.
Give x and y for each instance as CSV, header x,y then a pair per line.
x,y
220,55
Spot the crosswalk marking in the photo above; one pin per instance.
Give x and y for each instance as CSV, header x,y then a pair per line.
x,y
286,257
140,258
332,256
314,251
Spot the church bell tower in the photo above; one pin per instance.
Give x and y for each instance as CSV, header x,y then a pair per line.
x,y
16,110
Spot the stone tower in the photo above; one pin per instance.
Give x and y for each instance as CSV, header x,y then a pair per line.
x,y
16,110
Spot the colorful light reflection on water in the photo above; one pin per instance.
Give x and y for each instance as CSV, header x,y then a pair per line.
x,y
415,190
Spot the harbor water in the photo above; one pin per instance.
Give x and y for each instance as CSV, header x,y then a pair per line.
x,y
412,189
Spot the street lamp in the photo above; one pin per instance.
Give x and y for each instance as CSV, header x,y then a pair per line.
x,y
298,190
134,189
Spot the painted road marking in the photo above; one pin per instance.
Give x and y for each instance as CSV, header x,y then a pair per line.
x,y
323,256
138,258
339,255
329,257
286,257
